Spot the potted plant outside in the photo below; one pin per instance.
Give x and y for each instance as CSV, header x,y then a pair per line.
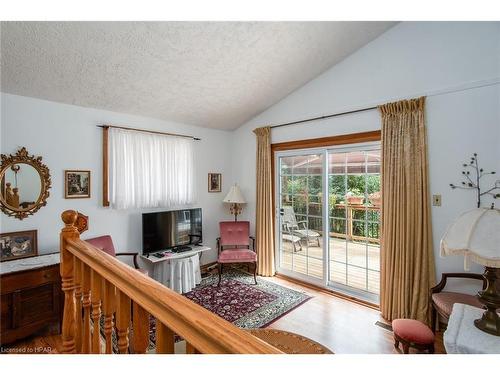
x,y
354,197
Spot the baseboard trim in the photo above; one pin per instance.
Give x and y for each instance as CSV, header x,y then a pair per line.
x,y
330,292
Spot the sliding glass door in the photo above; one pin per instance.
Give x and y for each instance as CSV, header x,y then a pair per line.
x,y
328,217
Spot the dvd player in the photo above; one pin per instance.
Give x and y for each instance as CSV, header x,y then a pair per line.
x,y
181,249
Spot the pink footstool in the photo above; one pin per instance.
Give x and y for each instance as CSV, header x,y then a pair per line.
x,y
410,332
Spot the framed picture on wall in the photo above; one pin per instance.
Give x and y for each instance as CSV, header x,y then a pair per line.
x,y
16,245
76,184
214,182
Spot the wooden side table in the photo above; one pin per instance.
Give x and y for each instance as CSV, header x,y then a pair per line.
x,y
462,336
31,296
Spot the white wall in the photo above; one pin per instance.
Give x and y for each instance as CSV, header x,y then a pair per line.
x,y
411,59
66,137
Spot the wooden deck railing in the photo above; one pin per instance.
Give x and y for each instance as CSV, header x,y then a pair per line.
x,y
95,283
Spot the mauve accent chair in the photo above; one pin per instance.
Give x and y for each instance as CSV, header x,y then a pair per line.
x,y
233,246
105,243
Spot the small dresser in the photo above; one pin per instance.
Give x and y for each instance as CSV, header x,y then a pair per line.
x,y
31,297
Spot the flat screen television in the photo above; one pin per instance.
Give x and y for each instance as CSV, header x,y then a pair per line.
x,y
170,230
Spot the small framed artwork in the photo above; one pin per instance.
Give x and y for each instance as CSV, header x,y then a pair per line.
x,y
214,182
76,184
16,245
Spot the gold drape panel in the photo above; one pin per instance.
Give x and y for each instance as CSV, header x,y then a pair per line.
x,y
264,205
407,258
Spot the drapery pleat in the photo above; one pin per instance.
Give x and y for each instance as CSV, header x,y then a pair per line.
x,y
407,257
264,206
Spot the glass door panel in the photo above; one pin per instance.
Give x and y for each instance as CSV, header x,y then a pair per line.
x,y
301,214
354,254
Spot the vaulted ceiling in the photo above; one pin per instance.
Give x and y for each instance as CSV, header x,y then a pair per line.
x,y
210,74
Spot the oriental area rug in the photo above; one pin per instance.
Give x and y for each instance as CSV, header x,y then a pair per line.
x,y
239,301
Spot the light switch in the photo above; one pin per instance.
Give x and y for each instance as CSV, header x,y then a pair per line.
x,y
436,200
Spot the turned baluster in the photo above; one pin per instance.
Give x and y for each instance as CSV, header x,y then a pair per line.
x,y
78,304
108,306
67,277
190,349
123,321
96,311
86,308
140,324
164,339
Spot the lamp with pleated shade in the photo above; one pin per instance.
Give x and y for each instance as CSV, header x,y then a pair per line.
x,y
235,198
476,235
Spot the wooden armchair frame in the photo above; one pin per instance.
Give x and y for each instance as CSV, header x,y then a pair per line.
x,y
135,255
442,284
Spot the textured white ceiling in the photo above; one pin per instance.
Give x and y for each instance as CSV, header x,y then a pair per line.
x,y
211,74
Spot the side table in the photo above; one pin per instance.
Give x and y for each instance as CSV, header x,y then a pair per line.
x,y
462,336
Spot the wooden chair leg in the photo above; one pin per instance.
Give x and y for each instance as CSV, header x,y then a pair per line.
x,y
431,349
220,274
434,319
406,348
255,273
396,343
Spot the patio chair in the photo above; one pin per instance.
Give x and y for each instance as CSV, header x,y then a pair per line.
x,y
287,235
298,228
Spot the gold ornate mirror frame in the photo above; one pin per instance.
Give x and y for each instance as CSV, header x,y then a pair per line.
x,y
22,157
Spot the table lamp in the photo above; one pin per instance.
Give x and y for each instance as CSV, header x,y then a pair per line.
x,y
476,235
235,198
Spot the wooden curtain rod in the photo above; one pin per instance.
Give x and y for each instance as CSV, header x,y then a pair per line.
x,y
323,117
149,131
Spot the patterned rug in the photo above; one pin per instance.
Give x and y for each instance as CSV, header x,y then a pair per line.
x,y
238,301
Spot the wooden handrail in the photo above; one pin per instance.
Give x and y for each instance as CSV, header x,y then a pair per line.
x,y
202,330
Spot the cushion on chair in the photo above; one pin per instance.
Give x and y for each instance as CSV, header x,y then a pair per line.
x,y
104,243
444,301
237,256
234,233
413,331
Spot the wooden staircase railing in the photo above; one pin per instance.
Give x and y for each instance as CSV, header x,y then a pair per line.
x,y
95,283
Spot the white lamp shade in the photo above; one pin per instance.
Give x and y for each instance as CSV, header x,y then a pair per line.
x,y
234,195
476,235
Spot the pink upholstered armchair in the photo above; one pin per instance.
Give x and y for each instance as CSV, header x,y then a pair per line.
x,y
233,246
105,243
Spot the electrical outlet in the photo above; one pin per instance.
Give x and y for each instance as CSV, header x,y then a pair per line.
x,y
436,200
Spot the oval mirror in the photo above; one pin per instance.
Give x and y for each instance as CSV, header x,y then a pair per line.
x,y
24,184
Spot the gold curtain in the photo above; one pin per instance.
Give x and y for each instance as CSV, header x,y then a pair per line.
x,y
264,205
407,258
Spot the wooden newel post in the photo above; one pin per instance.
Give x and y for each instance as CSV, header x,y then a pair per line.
x,y
68,282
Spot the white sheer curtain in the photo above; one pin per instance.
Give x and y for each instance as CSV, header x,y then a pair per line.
x,y
149,170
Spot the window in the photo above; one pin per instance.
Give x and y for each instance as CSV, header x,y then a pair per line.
x,y
149,170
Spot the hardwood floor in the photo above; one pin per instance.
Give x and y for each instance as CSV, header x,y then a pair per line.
x,y
341,325
345,327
